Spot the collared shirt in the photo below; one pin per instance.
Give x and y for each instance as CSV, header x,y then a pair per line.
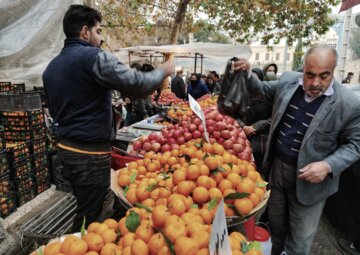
x,y
329,91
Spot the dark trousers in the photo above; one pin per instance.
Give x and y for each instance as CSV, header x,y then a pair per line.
x,y
89,176
292,224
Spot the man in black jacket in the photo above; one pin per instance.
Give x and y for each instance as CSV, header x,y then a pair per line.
x,y
78,84
178,85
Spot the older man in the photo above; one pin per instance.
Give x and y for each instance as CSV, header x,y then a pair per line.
x,y
314,136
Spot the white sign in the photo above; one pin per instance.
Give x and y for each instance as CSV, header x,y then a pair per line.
x,y
219,238
194,105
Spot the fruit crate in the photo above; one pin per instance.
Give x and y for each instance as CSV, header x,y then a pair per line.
x,y
6,86
4,164
21,167
42,171
25,195
39,159
2,140
7,204
38,145
18,87
27,101
23,182
42,184
17,151
22,118
5,185
25,134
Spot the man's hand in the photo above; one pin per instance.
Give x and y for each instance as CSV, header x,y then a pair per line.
x,y
168,67
249,130
315,172
242,64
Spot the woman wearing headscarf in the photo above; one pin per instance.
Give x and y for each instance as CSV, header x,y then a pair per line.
x,y
197,87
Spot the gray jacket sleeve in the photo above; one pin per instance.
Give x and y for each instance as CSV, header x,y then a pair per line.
x,y
111,73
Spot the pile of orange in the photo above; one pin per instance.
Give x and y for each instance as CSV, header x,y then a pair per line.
x,y
197,174
158,232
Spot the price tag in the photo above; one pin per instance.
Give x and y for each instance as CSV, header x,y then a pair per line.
x,y
219,238
194,105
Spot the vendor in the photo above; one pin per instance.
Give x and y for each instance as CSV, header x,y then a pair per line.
x,y
197,87
78,84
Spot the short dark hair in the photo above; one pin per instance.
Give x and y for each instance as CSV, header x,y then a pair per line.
x,y
78,16
137,66
350,73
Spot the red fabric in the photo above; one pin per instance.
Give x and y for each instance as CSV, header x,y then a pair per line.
x,y
119,161
347,4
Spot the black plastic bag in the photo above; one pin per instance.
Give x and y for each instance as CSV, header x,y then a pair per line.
x,y
234,97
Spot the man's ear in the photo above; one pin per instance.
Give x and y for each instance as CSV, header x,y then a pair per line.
x,y
85,33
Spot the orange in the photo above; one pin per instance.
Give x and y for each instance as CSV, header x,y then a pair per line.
x,y
94,241
243,205
108,235
110,249
149,202
131,196
206,215
78,247
111,223
203,251
207,147
237,235
65,246
204,181
161,201
178,176
227,192
128,239
218,177
101,228
122,227
159,215
139,247
204,169
164,192
253,175
164,251
156,242
132,165
123,179
202,238
224,185
218,149
185,246
126,251
254,252
260,192
93,226
142,170
192,172
52,248
185,188
215,193
142,193
188,202
234,243
236,252
254,198
235,169
174,231
245,187
175,196
194,227
194,210
228,211
88,253
200,195
211,162
234,178
177,207
144,232
173,220
174,152
227,158
199,154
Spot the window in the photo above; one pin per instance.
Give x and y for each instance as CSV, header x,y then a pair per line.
x,y
257,56
277,57
267,56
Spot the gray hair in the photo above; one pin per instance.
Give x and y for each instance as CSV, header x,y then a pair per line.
x,y
321,47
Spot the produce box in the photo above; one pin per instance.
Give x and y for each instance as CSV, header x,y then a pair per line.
x,y
22,118
25,133
39,159
2,140
27,101
42,171
17,151
7,205
18,87
20,167
24,182
38,145
4,164
6,86
5,185
25,195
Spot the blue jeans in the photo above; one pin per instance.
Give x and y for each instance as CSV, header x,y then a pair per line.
x,y
292,224
89,176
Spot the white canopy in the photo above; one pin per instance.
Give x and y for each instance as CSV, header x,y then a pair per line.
x,y
215,55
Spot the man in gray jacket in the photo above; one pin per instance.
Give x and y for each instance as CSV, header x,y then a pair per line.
x,y
314,136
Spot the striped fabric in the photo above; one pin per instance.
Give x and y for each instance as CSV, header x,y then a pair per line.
x,y
347,4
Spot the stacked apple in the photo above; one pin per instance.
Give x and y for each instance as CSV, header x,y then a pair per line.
x,y
167,98
222,129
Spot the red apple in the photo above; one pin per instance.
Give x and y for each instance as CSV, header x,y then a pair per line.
x,y
201,128
188,136
146,146
192,127
196,134
237,148
155,147
216,134
228,144
180,140
136,145
174,146
197,121
165,148
225,134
